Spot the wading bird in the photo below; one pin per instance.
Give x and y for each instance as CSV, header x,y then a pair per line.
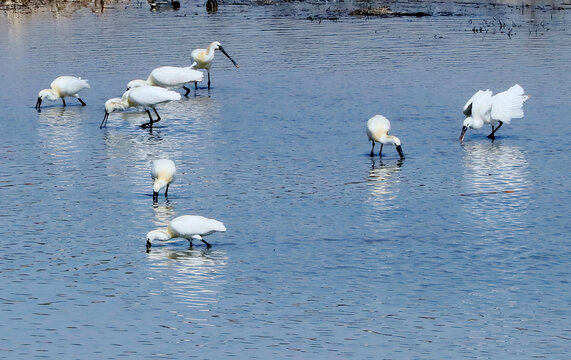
x,y
483,108
143,97
190,227
378,131
202,58
61,87
170,77
163,172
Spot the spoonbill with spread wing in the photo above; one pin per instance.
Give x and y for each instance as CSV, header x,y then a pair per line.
x,y
483,108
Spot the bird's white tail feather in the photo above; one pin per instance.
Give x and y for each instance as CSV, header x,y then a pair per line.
x,y
173,96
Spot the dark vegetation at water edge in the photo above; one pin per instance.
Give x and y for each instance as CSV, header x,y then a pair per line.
x,y
56,5
373,9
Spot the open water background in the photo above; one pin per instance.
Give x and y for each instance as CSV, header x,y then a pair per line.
x,y
459,251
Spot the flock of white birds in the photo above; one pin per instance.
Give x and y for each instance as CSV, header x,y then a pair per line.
x,y
482,108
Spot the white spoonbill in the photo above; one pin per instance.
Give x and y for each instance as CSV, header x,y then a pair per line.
x,y
378,130
202,58
163,172
170,77
483,108
190,227
143,97
61,87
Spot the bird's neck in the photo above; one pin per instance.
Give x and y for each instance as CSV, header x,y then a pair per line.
x,y
159,184
477,122
389,139
210,50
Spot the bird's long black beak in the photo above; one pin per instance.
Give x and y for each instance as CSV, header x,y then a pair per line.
x,y
399,150
38,103
228,56
104,122
148,245
464,129
155,197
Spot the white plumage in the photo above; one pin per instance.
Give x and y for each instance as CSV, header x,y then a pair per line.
x,y
202,58
143,97
483,108
61,87
163,173
378,128
170,77
190,227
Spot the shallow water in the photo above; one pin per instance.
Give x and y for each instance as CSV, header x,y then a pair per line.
x,y
459,251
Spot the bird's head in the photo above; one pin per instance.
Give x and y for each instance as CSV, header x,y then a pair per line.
x,y
43,94
136,83
47,93
113,105
218,46
160,235
468,122
110,106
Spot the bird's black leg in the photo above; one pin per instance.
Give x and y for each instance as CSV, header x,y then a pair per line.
x,y
195,85
63,100
167,191
380,151
150,123
158,116
491,136
82,102
209,80
207,244
187,90
373,148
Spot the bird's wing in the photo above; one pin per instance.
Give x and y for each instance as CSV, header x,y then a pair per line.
x,y
163,168
478,96
151,96
195,225
154,169
196,53
508,105
69,85
170,76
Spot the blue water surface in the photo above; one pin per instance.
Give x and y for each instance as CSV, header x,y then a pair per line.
x,y
461,251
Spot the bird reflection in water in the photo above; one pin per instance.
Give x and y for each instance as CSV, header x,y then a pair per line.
x,y
192,277
498,176
382,186
64,136
163,213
